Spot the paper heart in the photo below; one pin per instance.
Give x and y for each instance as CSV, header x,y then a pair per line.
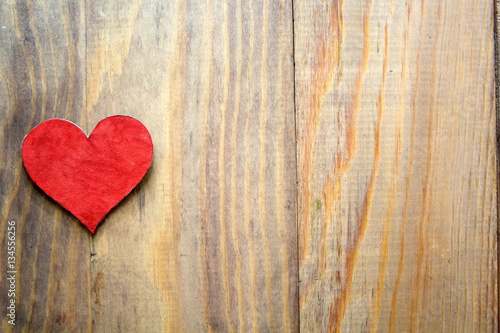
x,y
88,175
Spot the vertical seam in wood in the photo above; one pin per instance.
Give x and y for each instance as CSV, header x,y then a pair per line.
x,y
297,272
85,123
496,34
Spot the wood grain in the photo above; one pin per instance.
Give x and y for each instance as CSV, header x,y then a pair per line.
x,y
396,166
207,242
497,113
42,76
379,143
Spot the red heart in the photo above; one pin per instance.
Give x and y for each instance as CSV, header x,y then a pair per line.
x,y
88,175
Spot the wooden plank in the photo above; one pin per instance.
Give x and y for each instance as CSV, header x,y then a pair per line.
x,y
42,76
396,166
207,242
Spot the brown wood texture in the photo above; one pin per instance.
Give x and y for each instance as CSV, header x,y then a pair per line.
x,y
318,166
42,75
497,112
207,241
396,166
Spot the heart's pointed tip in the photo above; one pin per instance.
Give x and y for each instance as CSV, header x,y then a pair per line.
x,y
90,225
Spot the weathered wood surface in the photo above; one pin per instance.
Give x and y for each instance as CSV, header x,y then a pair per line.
x,y
396,166
42,75
497,112
207,241
385,160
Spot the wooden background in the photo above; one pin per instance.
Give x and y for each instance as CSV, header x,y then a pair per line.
x,y
318,166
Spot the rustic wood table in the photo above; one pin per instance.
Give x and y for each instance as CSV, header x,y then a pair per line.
x,y
318,166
